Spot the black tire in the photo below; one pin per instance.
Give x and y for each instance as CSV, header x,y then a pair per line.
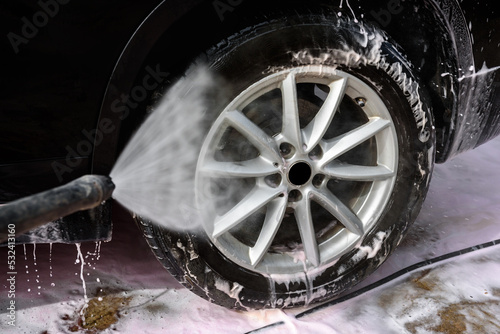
x,y
351,47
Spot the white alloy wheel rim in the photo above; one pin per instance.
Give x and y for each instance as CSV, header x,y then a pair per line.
x,y
275,182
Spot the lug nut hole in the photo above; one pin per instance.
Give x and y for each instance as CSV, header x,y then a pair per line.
x,y
318,180
287,150
273,181
294,195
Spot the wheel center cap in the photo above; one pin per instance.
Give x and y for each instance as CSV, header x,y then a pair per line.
x,y
299,173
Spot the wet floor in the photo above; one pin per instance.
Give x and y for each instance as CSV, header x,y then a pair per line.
x,y
127,285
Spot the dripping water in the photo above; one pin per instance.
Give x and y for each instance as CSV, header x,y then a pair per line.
x,y
37,278
81,261
93,257
98,250
50,264
26,261
272,290
350,8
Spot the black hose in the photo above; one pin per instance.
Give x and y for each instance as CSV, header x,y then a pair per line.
x,y
27,213
381,282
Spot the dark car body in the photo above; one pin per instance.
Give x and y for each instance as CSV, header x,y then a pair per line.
x,y
75,76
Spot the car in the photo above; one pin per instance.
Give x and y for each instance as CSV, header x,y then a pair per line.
x,y
318,140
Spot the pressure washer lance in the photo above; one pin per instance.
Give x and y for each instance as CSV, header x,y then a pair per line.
x,y
27,213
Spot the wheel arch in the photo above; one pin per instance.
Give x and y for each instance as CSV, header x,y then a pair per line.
x,y
441,49
114,108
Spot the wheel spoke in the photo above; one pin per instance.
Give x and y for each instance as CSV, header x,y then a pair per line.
x,y
251,168
274,216
264,143
257,198
339,210
291,125
317,128
358,173
337,146
306,229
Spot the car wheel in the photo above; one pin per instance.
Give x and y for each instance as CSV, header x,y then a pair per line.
x,y
314,164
